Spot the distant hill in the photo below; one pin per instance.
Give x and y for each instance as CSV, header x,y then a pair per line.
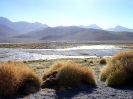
x,y
6,31
92,26
120,29
5,21
75,33
91,35
26,27
22,27
38,34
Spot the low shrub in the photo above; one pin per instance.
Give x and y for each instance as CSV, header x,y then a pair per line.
x,y
105,71
91,61
24,61
30,82
119,70
85,60
15,77
68,74
88,76
103,61
57,65
9,61
9,81
116,79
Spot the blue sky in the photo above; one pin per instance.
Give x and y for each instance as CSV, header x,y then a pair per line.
x,y
104,13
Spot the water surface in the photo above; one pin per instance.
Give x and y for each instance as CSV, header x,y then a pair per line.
x,y
92,51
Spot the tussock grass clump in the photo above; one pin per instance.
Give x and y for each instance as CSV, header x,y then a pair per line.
x,y
9,61
103,61
24,61
15,77
88,76
30,82
69,74
85,60
91,61
55,67
119,70
105,71
9,81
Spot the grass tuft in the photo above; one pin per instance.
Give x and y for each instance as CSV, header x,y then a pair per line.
x,y
91,61
55,67
70,74
24,61
103,61
119,70
16,77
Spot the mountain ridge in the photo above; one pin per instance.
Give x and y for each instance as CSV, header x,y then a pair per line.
x,y
22,26
91,35
6,31
42,32
93,26
119,28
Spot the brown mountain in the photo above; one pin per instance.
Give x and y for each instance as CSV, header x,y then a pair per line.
x,y
120,29
73,33
22,27
91,35
40,33
6,31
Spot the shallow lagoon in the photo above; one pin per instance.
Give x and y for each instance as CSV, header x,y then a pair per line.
x,y
92,51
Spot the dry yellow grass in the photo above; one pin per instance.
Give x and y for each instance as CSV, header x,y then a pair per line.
x,y
70,74
14,75
91,61
88,76
24,61
9,80
103,61
55,67
119,69
117,78
29,77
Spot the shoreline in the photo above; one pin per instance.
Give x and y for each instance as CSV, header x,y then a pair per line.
x,y
55,45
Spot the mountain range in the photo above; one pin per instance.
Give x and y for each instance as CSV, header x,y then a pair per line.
x,y
12,32
77,34
120,29
22,27
5,31
93,26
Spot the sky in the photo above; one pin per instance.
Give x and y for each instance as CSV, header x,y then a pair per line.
x,y
104,13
